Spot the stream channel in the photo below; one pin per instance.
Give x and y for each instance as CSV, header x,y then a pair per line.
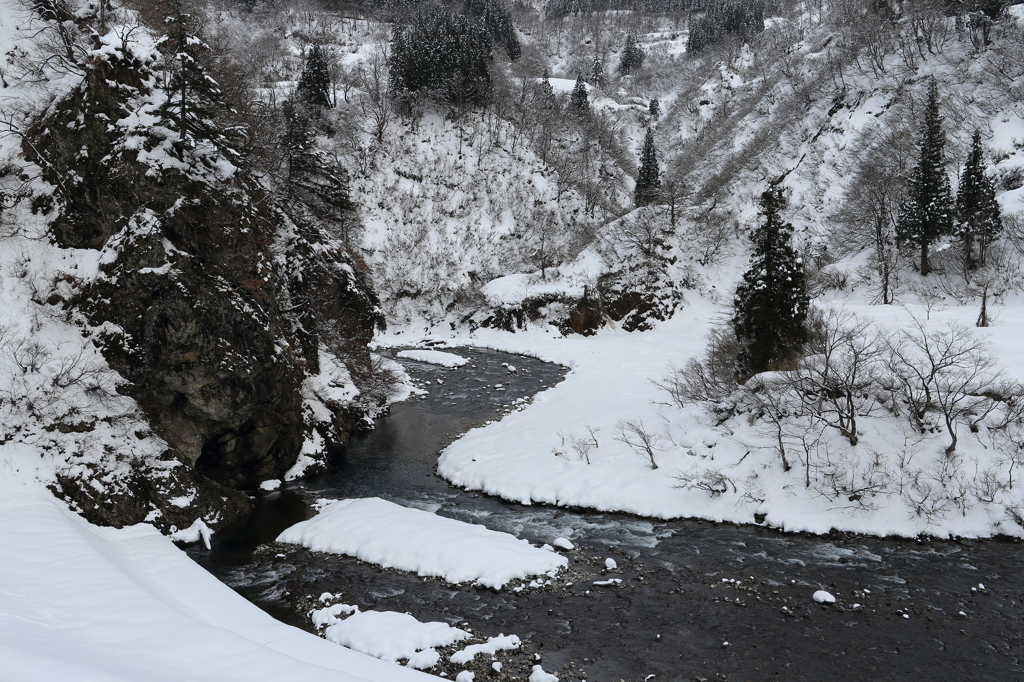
x,y
697,600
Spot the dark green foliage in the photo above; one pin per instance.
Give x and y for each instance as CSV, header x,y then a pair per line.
x,y
579,104
928,212
498,23
743,18
314,86
770,308
443,56
648,182
654,109
977,211
632,56
193,96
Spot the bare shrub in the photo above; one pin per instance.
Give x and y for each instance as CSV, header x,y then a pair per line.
x,y
712,378
948,372
711,481
636,435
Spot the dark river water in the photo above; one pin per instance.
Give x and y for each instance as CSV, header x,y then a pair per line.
x,y
696,601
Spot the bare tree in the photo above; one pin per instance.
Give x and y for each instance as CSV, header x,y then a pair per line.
x,y
644,442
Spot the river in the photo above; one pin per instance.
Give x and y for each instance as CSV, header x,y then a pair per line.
x,y
697,601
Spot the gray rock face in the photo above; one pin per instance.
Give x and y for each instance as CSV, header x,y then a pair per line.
x,y
219,306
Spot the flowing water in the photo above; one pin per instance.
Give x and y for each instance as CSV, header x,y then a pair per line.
x,y
697,600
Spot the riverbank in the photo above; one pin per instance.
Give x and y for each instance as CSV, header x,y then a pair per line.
x,y
696,584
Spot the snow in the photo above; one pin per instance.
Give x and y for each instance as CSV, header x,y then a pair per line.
x,y
465,676
434,357
538,675
272,484
823,597
563,543
390,636
99,604
387,534
492,646
610,564
198,530
523,457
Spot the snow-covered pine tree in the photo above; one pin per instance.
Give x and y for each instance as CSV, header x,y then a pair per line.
x,y
648,180
498,22
928,212
770,307
579,104
977,211
315,185
632,56
314,86
597,72
193,95
654,109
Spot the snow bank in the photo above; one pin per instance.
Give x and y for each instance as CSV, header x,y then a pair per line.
x,y
389,635
91,604
434,357
536,455
393,536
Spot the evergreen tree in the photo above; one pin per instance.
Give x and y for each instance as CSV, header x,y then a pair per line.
x,y
597,72
194,97
498,23
314,182
444,56
579,104
648,181
314,86
977,211
928,212
654,109
770,308
632,56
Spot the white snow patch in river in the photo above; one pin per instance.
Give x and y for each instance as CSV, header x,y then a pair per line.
x,y
387,534
434,357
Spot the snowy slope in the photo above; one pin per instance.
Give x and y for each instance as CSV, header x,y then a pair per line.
x,y
95,604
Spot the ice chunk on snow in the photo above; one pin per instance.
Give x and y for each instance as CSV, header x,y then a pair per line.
x,y
492,646
272,484
563,543
393,536
610,564
422,660
434,357
193,533
823,597
390,635
538,675
329,615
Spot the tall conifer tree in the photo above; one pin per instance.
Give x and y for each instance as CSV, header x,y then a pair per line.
x,y
579,104
632,56
770,308
928,212
648,180
315,82
193,96
977,211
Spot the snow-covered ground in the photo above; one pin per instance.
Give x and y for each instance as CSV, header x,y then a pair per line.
x,y
97,604
567,448
384,533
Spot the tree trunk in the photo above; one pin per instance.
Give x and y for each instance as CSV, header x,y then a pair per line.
x,y
925,266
